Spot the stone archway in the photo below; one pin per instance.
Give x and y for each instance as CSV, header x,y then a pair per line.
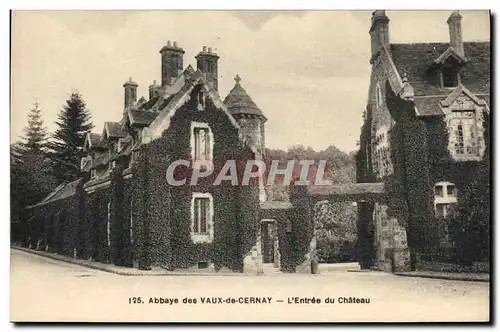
x,y
381,241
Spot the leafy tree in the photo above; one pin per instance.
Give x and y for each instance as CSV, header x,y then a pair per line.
x,y
336,222
74,121
35,140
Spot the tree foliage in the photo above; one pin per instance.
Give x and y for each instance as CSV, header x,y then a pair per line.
x,y
35,139
66,149
30,173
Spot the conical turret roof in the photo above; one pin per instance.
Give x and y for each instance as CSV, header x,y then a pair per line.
x,y
239,102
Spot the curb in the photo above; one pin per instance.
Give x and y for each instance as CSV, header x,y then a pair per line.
x,y
102,266
443,277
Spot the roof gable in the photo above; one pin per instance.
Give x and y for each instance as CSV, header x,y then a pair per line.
x,y
93,141
450,52
457,92
114,130
162,121
140,118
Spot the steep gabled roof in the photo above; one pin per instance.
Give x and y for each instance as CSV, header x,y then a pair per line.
x,y
94,141
416,59
114,130
174,102
141,118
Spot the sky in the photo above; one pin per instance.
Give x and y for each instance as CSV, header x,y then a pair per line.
x,y
307,71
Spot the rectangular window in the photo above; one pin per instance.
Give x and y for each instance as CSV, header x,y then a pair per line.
x,y
450,191
464,130
202,217
450,78
202,212
202,144
438,191
440,210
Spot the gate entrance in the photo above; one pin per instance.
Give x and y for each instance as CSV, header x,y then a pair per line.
x,y
365,195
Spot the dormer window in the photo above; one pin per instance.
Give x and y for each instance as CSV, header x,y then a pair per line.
x,y
449,73
450,77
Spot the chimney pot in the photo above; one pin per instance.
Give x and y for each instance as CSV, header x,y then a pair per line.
x,y
209,50
204,48
175,44
154,82
168,43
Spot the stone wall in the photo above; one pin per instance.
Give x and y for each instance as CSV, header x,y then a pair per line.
x,y
391,245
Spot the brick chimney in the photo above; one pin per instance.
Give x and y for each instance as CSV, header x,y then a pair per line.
x,y
379,32
206,62
455,27
171,62
154,89
130,88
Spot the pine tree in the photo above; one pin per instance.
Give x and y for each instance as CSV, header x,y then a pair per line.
x,y
66,150
36,133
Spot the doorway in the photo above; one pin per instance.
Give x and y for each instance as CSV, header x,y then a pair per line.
x,y
267,240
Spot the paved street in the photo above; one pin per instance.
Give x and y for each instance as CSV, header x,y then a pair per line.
x,y
43,289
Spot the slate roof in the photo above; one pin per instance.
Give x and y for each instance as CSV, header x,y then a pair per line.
x,y
62,191
428,106
114,130
96,141
239,102
141,118
416,59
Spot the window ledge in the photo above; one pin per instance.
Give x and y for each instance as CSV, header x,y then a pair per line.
x,y
466,158
201,238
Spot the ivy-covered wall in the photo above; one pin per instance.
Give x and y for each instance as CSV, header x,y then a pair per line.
x,y
163,212
55,226
470,229
420,155
149,220
300,239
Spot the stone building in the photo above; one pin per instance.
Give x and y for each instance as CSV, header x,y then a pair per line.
x,y
424,133
123,210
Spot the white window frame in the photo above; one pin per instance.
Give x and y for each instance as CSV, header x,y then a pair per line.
x,y
469,132
205,237
202,125
447,200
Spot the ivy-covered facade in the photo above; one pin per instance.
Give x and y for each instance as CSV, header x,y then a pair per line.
x,y
426,136
130,208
